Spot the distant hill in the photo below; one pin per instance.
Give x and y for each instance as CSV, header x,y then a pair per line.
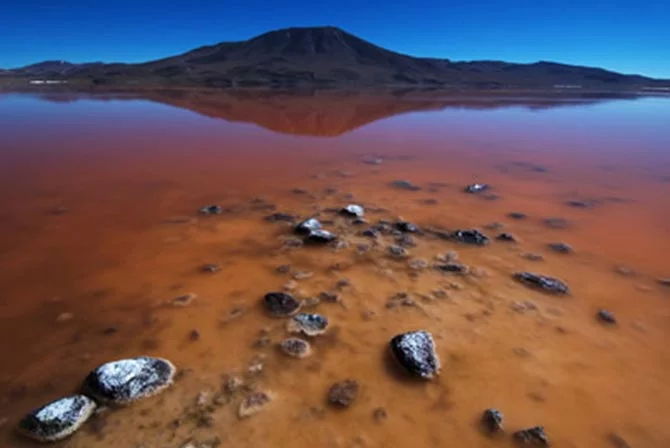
x,y
328,56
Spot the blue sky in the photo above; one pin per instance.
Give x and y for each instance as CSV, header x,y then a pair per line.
x,y
626,36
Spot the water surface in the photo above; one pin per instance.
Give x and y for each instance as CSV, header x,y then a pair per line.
x,y
99,230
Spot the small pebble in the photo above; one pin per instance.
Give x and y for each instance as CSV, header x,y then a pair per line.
x,y
380,415
532,436
210,267
398,251
624,270
417,264
283,269
296,348
183,300
507,237
517,215
560,248
194,335
253,404
492,420
606,317
302,275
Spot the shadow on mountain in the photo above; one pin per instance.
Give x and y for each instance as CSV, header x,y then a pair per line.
x,y
327,113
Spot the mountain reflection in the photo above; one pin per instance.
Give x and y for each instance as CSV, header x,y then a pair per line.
x,y
330,113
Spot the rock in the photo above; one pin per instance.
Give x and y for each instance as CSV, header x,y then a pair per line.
x,y
371,233
492,420
587,203
415,351
211,210
606,317
280,217
302,275
532,436
307,226
64,317
405,227
253,404
560,248
58,419
532,256
400,299
405,185
494,226
283,269
343,393
353,210
471,236
449,257
296,347
128,380
617,441
398,251
517,215
507,237
320,237
183,300
542,282
281,304
210,267
359,222
417,264
624,270
308,324
330,297
556,223
664,282
194,335
452,268
405,240
477,188
299,191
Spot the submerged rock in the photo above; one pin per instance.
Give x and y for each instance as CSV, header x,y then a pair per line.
x,y
405,185
492,420
129,380
281,304
477,188
606,317
211,210
556,223
58,419
405,240
344,393
664,282
280,217
253,404
320,237
296,347
470,236
517,215
532,436
210,267
308,324
542,282
307,226
415,351
353,210
560,248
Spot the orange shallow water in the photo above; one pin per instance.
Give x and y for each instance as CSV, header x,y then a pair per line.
x,y
126,167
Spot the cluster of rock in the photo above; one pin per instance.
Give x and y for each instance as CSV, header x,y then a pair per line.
x,y
114,383
492,421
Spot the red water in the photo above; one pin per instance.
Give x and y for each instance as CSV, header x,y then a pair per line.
x,y
128,169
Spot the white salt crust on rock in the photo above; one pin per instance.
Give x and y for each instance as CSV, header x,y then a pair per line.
x,y
129,380
57,420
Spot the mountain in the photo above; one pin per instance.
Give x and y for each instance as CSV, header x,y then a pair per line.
x,y
325,113
327,56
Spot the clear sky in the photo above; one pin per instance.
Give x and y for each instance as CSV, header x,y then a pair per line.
x,y
622,35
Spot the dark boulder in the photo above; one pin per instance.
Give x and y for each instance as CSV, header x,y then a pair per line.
x,y
470,236
415,351
307,226
542,282
58,419
129,380
353,210
492,420
606,317
405,227
532,436
320,236
477,188
211,210
561,248
281,304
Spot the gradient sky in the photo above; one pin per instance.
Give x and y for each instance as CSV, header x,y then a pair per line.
x,y
622,35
